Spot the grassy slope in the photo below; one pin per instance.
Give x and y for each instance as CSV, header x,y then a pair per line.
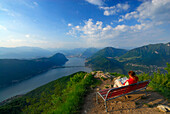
x,y
62,95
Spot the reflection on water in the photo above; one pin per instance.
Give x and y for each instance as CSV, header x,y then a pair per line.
x,y
30,84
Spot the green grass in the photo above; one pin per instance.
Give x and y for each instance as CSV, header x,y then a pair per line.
x,y
73,95
64,95
159,82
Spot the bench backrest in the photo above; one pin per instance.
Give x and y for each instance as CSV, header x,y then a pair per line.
x,y
125,89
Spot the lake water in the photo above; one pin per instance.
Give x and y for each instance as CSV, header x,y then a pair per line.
x,y
39,80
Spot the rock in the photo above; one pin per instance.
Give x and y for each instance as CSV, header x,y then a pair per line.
x,y
100,74
98,89
93,73
163,108
118,77
119,102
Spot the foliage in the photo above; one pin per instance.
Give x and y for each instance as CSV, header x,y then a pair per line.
x,y
159,81
144,59
38,99
117,74
64,95
153,54
14,70
72,97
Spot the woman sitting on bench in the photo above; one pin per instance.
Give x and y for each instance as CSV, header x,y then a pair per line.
x,y
132,79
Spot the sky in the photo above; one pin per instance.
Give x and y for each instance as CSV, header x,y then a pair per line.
x,y
84,23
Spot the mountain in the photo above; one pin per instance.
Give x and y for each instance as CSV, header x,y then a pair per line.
x,y
109,52
89,52
15,70
69,52
153,54
23,53
147,58
104,59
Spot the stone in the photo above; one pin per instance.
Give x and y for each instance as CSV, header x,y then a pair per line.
x,y
163,108
119,102
93,73
98,89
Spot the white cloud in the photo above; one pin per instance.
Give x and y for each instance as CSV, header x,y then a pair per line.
x,y
69,24
3,27
121,27
94,34
3,9
35,3
96,2
8,12
152,16
115,9
138,27
120,20
154,11
27,35
109,10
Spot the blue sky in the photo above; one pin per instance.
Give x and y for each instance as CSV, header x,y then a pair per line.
x,y
84,23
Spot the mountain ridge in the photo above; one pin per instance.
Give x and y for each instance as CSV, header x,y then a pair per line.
x,y
16,70
148,58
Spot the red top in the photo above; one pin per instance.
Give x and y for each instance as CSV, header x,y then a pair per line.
x,y
130,80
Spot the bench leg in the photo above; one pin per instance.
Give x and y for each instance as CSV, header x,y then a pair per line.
x,y
97,98
105,105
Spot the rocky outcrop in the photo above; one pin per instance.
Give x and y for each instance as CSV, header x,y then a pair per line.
x,y
100,74
163,108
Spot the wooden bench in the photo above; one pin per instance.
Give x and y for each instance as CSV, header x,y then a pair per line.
x,y
108,94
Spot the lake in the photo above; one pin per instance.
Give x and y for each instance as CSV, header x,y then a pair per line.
x,y
72,66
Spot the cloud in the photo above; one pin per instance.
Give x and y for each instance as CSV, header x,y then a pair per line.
x,y
69,24
109,10
3,9
95,34
27,35
35,3
8,12
3,27
154,12
115,9
96,2
121,27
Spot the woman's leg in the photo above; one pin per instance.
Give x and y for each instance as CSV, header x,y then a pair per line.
x,y
117,83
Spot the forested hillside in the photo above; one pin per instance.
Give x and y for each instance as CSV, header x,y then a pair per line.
x,y
105,60
153,54
147,58
15,70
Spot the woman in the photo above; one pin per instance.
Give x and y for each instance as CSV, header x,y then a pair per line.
x,y
132,79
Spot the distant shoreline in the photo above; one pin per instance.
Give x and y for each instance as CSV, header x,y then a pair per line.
x,y
10,99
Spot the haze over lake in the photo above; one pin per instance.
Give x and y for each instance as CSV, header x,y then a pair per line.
x,y
75,65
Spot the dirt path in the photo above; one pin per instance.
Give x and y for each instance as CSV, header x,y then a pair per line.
x,y
134,104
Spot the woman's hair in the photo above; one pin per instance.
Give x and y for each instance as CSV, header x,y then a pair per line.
x,y
132,74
